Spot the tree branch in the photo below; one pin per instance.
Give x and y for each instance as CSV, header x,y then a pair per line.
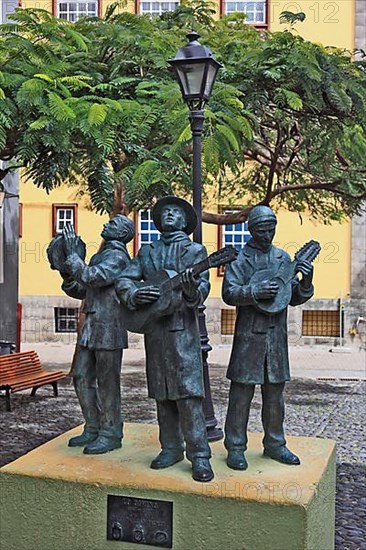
x,y
326,186
119,204
242,215
299,141
223,219
280,141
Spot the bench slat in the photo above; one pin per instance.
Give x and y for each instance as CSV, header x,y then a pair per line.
x,y
19,364
20,367
4,359
14,372
30,377
26,361
19,356
36,382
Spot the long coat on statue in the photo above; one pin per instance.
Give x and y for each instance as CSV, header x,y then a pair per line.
x,y
173,349
260,340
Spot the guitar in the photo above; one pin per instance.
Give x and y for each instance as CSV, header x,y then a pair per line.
x,y
56,252
169,282
283,277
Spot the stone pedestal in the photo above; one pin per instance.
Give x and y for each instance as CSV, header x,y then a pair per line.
x,y
55,498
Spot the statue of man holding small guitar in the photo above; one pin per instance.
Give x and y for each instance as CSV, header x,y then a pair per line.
x,y
261,283
161,289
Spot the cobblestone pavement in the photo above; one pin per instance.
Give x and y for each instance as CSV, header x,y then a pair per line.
x,y
330,409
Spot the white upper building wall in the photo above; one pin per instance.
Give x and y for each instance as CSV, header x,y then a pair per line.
x,y
7,6
360,24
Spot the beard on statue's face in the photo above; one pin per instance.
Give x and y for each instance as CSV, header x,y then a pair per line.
x,y
173,218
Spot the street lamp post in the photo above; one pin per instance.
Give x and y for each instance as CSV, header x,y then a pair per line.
x,y
196,70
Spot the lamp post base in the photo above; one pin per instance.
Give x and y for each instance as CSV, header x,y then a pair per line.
x,y
213,432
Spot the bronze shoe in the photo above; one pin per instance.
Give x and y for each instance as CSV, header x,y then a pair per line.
x,y
83,439
166,458
201,470
103,444
236,460
282,454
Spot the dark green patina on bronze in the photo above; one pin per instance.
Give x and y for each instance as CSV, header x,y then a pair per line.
x,y
97,363
261,283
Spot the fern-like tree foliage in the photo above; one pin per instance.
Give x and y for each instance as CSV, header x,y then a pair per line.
x,y
94,104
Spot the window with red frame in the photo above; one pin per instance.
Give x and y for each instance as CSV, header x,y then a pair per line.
x,y
63,214
20,220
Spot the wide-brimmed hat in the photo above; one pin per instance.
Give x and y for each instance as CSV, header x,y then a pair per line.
x,y
191,216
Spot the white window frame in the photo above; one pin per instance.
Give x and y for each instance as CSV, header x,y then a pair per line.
x,y
76,13
62,214
62,218
245,7
227,234
146,235
237,234
157,8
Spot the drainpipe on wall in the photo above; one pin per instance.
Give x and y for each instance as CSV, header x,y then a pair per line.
x,y
9,237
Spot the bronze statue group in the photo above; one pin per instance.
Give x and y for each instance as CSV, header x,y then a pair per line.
x,y
120,293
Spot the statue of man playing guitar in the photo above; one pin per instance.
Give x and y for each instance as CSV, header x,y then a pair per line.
x,y
261,283
172,341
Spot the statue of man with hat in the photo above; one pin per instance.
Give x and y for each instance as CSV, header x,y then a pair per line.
x,y
173,350
97,364
260,348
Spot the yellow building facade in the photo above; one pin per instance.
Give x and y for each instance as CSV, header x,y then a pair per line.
x,y
50,315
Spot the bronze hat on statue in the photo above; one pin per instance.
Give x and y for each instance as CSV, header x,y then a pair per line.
x,y
191,216
261,214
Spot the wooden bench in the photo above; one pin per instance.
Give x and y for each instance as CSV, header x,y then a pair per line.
x,y
21,371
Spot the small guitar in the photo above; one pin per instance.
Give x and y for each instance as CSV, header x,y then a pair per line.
x,y
56,252
142,319
283,277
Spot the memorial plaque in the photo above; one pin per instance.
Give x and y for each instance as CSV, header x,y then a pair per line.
x,y
140,520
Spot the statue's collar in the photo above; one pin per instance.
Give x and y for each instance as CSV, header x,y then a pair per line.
x,y
254,245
